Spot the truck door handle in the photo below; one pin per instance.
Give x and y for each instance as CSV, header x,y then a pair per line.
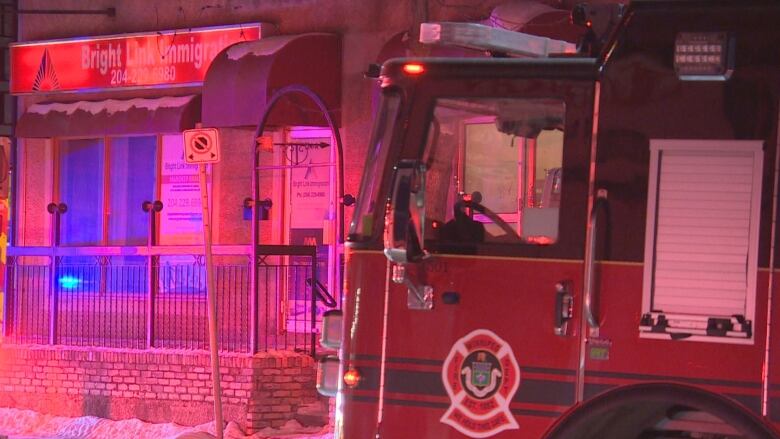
x,y
590,260
564,307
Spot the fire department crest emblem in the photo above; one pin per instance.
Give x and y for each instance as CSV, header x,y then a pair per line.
x,y
481,376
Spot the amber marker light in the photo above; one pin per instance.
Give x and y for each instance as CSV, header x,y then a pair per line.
x,y
352,378
540,240
414,69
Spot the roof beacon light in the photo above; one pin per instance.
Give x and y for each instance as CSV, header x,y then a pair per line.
x,y
481,37
414,68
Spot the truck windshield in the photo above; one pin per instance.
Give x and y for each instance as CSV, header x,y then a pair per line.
x,y
369,206
494,171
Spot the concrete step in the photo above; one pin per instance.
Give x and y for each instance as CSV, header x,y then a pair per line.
x,y
313,415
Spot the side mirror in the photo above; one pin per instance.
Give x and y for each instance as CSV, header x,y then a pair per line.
x,y
405,217
328,375
332,332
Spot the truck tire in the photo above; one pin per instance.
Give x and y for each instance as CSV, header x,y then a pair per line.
x,y
660,410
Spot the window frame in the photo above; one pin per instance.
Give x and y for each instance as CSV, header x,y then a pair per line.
x,y
57,146
579,91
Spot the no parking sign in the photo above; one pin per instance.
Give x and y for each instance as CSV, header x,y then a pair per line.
x,y
201,145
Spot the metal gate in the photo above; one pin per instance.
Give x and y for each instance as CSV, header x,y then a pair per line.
x,y
289,293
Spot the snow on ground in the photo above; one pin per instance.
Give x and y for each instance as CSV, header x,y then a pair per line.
x,y
27,424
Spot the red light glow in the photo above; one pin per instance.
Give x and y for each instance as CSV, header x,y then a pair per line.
x,y
352,378
540,240
414,69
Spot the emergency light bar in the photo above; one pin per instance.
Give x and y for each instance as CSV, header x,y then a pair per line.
x,y
481,37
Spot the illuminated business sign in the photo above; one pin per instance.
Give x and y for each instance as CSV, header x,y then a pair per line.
x,y
179,57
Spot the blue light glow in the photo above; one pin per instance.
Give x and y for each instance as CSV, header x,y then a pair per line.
x,y
69,282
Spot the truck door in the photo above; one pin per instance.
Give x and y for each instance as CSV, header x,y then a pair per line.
x,y
486,230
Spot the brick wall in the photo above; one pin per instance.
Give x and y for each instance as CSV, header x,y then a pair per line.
x,y
155,386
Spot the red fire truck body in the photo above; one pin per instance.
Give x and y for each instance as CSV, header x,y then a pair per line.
x,y
573,246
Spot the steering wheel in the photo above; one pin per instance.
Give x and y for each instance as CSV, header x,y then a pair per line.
x,y
475,204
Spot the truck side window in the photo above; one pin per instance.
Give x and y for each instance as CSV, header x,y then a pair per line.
x,y
494,171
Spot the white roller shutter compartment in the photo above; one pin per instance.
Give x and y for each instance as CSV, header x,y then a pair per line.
x,y
701,240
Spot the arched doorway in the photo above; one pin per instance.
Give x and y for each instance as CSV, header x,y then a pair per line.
x,y
298,221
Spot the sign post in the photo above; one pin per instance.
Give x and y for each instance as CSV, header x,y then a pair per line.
x,y
201,146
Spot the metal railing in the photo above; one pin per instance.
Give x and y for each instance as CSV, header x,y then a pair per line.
x,y
155,297
281,276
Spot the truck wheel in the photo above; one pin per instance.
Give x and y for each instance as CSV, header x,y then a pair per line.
x,y
659,411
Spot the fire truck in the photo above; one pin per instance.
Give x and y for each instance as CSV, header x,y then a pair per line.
x,y
579,244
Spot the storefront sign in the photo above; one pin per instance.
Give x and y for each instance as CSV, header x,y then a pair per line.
x,y
179,57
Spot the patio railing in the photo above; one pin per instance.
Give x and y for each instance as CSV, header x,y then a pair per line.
x,y
155,297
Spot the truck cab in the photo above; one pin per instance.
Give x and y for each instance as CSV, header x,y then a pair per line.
x,y
571,246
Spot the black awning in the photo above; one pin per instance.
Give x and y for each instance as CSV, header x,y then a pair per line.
x,y
171,114
242,79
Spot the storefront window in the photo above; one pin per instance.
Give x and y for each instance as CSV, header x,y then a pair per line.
x,y
81,189
131,182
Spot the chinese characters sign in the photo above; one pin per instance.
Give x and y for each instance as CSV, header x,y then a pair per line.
x,y
134,60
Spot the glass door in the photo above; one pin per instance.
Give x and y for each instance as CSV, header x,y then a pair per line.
x,y
298,201
310,220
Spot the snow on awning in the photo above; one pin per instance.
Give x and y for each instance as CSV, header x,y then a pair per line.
x,y
242,79
171,114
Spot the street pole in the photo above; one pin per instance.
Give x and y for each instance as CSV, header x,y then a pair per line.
x,y
212,298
